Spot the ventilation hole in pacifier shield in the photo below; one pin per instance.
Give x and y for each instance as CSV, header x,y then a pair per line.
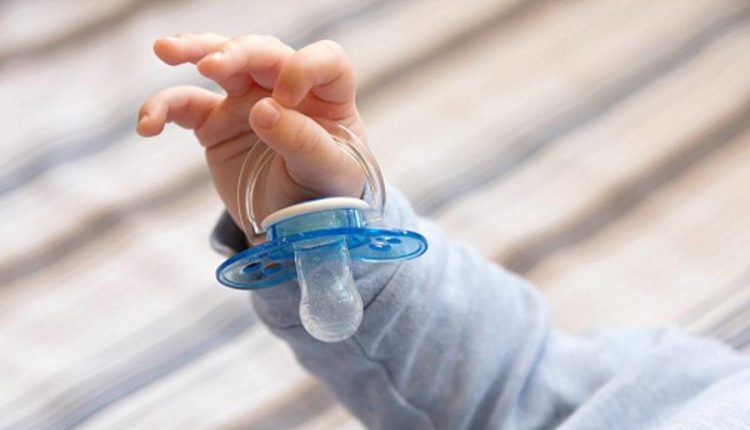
x,y
272,268
253,270
252,267
380,245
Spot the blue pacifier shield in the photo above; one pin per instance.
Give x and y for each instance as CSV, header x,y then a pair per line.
x,y
273,262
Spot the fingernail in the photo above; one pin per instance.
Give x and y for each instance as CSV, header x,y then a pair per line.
x,y
217,55
143,119
267,114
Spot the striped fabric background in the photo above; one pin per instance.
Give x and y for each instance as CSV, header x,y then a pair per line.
x,y
600,148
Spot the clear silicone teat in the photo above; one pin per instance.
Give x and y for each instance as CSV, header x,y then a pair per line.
x,y
330,306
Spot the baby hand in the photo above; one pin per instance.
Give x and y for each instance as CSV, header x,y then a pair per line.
x,y
274,93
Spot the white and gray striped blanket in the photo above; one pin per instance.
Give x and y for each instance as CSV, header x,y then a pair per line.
x,y
600,148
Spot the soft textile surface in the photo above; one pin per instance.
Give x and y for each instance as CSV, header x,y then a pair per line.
x,y
600,149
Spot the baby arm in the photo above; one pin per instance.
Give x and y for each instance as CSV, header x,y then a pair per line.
x,y
452,341
448,340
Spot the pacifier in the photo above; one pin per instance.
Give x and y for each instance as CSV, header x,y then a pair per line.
x,y
316,241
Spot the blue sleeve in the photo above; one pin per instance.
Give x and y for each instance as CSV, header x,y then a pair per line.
x,y
452,341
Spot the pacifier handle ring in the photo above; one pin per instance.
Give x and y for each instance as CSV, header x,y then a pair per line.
x,y
259,158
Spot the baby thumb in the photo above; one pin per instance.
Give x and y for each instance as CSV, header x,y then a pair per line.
x,y
312,157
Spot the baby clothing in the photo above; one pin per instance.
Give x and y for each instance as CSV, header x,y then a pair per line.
x,y
452,341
